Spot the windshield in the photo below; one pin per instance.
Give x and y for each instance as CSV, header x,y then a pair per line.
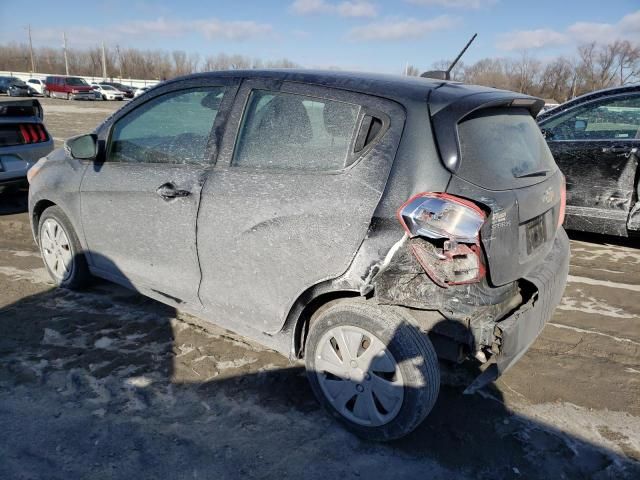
x,y
18,82
503,148
107,87
76,82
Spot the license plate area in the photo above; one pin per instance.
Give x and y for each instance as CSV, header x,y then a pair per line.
x,y
535,233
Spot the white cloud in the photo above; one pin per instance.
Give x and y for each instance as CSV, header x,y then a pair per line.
x,y
531,39
350,8
357,9
627,28
402,29
454,3
235,30
209,28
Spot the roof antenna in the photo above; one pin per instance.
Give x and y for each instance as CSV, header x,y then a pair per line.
x,y
446,74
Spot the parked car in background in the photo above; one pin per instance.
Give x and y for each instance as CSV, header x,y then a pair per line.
x,y
108,92
549,104
595,140
140,91
127,90
14,87
36,84
23,140
71,88
365,228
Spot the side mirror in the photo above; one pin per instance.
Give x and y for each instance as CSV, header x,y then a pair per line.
x,y
83,147
546,133
580,125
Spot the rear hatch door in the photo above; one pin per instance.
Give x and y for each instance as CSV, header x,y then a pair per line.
x,y
491,143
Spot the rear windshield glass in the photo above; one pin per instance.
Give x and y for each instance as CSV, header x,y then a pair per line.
x,y
502,149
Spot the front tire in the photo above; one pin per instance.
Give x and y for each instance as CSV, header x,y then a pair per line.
x,y
61,251
371,369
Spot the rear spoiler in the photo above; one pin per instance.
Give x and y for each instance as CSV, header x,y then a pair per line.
x,y
451,110
21,108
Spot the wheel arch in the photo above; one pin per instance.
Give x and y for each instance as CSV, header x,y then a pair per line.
x,y
38,209
305,307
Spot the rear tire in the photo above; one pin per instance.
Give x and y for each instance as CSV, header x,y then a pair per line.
x,y
371,369
61,251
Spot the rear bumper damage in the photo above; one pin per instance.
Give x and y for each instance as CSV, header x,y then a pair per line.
x,y
519,330
493,324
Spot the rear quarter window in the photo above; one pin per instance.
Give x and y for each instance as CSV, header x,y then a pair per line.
x,y
503,148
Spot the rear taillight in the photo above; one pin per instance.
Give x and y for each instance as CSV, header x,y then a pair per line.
x,y
445,233
563,201
32,133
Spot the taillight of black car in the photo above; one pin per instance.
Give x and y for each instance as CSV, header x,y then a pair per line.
x,y
445,237
22,133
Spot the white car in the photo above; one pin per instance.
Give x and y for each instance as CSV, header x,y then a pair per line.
x,y
37,84
140,91
108,92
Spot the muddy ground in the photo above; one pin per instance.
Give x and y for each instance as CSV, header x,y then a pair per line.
x,y
108,384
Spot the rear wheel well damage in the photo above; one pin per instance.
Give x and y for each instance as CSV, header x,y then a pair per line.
x,y
308,307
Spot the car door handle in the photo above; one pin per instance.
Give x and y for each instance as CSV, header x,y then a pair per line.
x,y
169,191
618,149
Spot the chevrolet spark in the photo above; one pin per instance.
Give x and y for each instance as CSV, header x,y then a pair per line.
x,y
372,226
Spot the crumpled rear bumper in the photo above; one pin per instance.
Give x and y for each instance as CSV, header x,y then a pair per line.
x,y
519,330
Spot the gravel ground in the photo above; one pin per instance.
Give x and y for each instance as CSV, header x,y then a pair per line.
x,y
109,384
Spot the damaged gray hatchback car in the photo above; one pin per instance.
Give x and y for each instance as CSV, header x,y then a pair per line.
x,y
370,225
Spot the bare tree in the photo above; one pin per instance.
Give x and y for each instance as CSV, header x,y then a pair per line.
x,y
412,71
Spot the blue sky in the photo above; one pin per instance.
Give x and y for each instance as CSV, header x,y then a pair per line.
x,y
352,34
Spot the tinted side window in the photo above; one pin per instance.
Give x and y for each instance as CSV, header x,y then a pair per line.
x,y
173,128
609,119
288,131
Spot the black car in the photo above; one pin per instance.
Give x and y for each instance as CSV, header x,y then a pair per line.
x,y
367,224
595,140
23,140
14,87
128,91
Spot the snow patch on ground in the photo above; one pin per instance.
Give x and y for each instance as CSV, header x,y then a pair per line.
x,y
593,306
36,275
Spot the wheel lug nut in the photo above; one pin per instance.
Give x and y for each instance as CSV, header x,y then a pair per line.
x,y
354,364
359,388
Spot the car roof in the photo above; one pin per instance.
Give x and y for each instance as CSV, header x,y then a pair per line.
x,y
385,85
587,97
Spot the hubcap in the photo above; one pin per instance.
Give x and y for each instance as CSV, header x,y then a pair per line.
x,y
359,376
56,249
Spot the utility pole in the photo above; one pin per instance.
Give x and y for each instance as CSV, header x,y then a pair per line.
x,y
119,60
104,64
66,60
33,63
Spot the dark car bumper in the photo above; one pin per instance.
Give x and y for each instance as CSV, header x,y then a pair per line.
x,y
16,160
18,92
519,330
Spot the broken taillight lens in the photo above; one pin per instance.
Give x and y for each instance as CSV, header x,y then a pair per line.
x,y
563,201
440,215
450,226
